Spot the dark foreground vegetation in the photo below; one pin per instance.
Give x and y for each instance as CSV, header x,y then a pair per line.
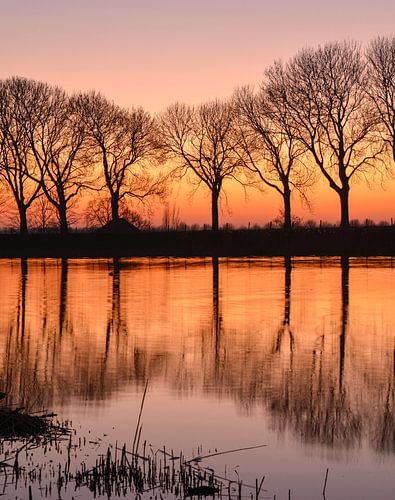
x,y
115,471
43,459
17,423
361,241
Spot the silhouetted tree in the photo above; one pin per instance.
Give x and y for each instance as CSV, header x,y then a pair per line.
x,y
58,143
171,217
53,140
98,213
125,143
381,57
202,141
42,214
273,154
18,168
324,91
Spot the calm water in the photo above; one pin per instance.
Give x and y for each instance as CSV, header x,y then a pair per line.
x,y
297,355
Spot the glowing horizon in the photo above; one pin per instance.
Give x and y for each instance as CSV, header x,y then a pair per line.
x,y
152,54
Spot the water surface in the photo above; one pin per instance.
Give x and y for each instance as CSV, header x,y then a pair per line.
x,y
297,354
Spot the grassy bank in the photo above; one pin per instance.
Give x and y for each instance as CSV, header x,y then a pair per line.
x,y
360,241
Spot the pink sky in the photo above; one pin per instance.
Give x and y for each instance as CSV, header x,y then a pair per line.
x,y
151,53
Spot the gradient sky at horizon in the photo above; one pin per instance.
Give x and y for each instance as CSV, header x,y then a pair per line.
x,y
151,52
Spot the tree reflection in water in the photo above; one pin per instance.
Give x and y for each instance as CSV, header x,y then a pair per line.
x,y
82,330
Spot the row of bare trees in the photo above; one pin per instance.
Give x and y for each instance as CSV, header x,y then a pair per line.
x,y
52,144
328,112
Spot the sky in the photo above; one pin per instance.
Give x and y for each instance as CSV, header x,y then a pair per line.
x,y
152,53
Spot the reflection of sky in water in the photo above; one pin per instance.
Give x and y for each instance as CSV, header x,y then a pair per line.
x,y
298,357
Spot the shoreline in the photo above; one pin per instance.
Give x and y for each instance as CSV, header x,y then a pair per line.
x,y
353,242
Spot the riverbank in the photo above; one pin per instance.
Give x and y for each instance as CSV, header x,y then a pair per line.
x,y
360,241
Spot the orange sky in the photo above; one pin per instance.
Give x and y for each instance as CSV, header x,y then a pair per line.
x,y
260,208
151,53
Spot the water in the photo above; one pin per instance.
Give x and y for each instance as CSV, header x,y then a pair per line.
x,y
294,354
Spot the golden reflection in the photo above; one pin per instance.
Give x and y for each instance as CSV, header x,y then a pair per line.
x,y
293,337
313,398
285,328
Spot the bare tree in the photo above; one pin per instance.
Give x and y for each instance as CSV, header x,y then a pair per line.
x,y
273,153
42,214
59,146
381,57
18,168
203,142
125,143
324,91
171,217
98,213
54,139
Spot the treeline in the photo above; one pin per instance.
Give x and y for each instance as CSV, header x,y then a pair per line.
x,y
328,112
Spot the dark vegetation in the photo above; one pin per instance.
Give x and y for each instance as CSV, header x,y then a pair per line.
x,y
115,472
67,462
16,423
361,241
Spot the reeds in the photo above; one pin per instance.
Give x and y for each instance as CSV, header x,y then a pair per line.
x,y
158,474
117,472
43,459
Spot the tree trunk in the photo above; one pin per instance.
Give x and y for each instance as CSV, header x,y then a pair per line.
x,y
64,227
287,207
114,208
345,217
22,219
214,210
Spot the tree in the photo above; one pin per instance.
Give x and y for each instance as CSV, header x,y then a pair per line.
x,y
202,141
125,143
324,91
18,168
42,214
58,142
53,140
98,213
171,217
273,154
381,57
